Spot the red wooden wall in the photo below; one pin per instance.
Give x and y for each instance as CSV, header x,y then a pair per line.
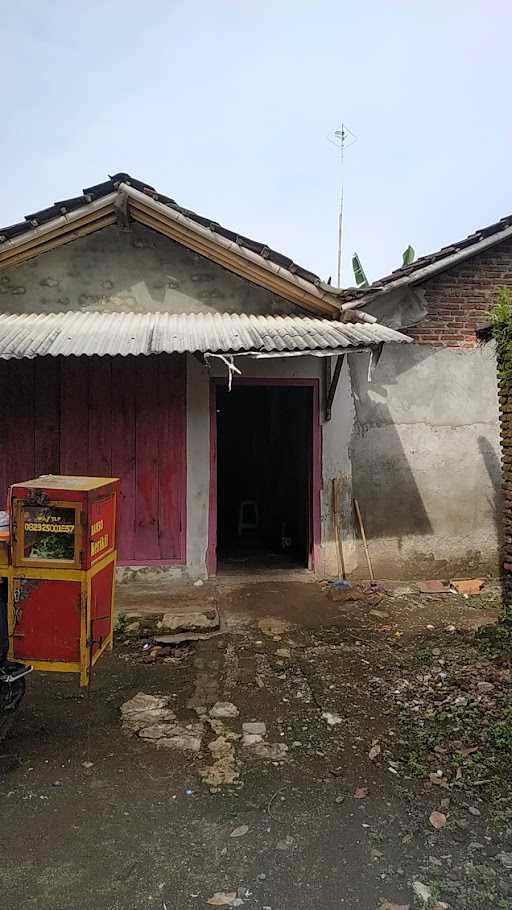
x,y
106,416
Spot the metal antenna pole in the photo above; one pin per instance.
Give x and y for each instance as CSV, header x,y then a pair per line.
x,y
343,138
340,134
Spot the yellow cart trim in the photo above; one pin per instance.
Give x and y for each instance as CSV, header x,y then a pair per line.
x,y
50,665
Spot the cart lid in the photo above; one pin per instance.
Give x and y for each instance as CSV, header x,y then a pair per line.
x,y
67,482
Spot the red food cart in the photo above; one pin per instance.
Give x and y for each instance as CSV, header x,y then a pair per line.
x,y
61,572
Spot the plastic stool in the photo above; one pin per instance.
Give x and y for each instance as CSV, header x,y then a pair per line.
x,y
248,516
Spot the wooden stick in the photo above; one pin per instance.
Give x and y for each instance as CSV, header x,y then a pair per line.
x,y
365,545
339,542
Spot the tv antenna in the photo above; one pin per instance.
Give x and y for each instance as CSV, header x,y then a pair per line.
x,y
342,138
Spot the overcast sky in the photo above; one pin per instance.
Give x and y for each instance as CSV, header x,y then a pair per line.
x,y
226,106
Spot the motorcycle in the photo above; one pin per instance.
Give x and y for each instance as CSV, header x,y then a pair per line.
x,y
12,673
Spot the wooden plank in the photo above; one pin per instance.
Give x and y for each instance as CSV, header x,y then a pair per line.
x,y
99,461
47,415
123,451
172,457
74,410
147,430
19,407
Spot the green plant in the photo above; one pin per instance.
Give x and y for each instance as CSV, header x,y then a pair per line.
x,y
120,624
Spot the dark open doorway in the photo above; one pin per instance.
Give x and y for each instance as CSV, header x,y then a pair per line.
x,y
264,477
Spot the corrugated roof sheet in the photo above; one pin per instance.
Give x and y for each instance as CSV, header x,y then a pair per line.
x,y
77,333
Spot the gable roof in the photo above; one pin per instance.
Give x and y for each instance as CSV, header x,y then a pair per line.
x,y
122,197
427,266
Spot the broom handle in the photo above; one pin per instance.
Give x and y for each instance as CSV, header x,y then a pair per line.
x,y
337,530
365,545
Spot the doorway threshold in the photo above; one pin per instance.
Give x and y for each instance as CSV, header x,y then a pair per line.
x,y
255,576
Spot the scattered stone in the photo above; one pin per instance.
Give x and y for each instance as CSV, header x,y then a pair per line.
x,y
224,709
257,728
474,811
270,751
434,587
143,711
374,751
485,687
250,739
273,626
361,793
198,583
388,905
286,843
183,740
224,769
133,626
332,719
191,621
87,764
283,652
239,832
505,860
422,891
437,820
339,800
379,614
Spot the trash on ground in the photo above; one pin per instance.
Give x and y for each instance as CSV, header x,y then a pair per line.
x,y
222,899
342,584
240,831
468,585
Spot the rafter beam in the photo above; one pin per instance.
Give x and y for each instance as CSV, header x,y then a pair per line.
x,y
333,386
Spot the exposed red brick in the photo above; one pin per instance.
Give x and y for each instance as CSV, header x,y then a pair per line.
x,y
459,299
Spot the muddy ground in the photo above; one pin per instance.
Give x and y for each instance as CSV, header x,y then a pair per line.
x,y
93,816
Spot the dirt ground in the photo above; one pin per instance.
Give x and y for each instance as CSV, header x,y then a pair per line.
x,y
391,708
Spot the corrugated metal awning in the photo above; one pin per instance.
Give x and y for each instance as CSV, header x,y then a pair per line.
x,y
88,333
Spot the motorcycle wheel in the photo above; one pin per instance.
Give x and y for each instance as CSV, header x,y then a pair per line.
x,y
10,698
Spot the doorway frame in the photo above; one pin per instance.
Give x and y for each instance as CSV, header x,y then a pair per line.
x,y
316,463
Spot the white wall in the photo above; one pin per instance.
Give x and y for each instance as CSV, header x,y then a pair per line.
x,y
426,460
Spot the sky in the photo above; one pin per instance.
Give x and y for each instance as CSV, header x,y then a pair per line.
x,y
228,107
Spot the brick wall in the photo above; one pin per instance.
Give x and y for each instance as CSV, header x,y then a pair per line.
x,y
458,300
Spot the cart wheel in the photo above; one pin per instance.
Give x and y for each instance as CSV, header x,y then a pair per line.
x,y
10,698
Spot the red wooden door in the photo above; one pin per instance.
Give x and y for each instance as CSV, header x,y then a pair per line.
x,y
106,416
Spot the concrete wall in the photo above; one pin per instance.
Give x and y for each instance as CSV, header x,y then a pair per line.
x,y
336,436
130,271
426,460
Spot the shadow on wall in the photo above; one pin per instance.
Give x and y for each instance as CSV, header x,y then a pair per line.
x,y
493,467
382,478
